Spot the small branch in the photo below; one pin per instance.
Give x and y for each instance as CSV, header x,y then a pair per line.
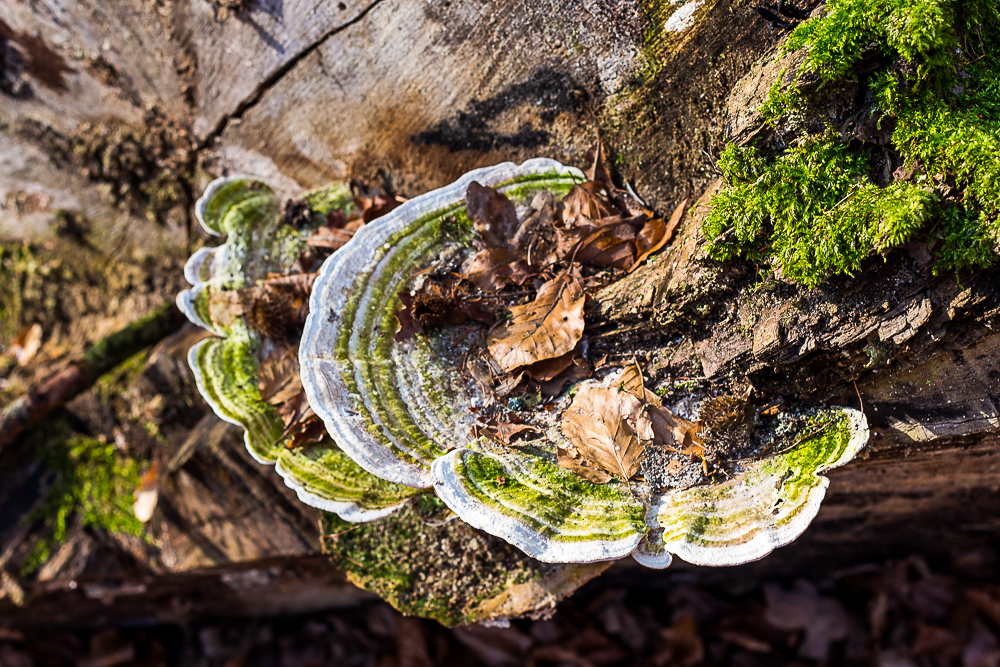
x,y
80,374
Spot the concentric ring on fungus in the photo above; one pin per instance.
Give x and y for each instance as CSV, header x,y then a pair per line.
x,y
401,411
225,367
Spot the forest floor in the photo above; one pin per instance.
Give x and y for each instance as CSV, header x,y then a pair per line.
x,y
891,615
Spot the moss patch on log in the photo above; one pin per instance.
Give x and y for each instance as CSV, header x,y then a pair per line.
x,y
930,109
93,481
426,562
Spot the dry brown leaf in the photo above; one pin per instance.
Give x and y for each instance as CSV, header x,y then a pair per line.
x,y
329,237
408,324
278,375
506,433
545,370
584,205
673,467
515,383
596,424
492,214
633,382
672,431
26,344
655,234
549,326
579,370
536,223
571,460
598,171
612,245
309,429
484,269
378,206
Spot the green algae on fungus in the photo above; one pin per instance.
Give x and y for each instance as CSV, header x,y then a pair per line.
x,y
539,506
766,505
369,392
226,368
814,208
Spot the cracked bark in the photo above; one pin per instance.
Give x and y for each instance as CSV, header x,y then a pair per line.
x,y
268,83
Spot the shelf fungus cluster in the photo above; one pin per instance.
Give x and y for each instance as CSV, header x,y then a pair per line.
x,y
445,352
252,293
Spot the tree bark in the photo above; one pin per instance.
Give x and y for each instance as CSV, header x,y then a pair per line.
x,y
300,92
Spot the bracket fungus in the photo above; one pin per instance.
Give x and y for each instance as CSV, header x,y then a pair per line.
x,y
405,410
234,296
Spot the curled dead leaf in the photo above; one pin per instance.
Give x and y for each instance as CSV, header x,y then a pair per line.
x,y
572,460
278,375
579,370
330,237
655,234
633,382
506,433
673,432
484,269
492,214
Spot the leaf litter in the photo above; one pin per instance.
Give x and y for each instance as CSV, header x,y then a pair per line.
x,y
524,283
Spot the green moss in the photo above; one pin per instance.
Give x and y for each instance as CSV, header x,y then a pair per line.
x,y
17,261
425,565
93,481
326,471
813,209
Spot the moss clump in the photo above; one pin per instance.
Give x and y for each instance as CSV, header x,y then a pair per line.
x,y
424,562
815,208
92,481
817,205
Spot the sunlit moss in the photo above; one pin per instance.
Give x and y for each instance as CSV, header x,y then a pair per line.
x,y
813,210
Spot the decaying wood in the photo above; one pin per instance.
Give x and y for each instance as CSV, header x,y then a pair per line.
x,y
81,373
302,91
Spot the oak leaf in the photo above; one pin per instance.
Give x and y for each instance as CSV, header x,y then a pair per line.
x,y
549,326
597,425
